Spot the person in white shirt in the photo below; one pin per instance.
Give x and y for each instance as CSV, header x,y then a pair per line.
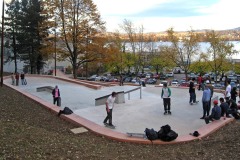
x,y
228,91
166,93
109,107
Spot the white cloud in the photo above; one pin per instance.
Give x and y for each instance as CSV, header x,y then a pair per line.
x,y
125,7
222,15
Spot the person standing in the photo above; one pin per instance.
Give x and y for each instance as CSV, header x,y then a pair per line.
x,y
211,89
13,78
17,78
56,95
228,91
166,93
234,94
109,108
22,78
205,101
199,82
192,92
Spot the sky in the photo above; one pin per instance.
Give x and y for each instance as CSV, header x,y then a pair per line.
x,y
160,15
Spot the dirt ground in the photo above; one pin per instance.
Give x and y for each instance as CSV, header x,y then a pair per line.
x,y
29,131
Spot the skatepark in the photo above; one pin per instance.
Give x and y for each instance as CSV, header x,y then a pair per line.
x,y
143,108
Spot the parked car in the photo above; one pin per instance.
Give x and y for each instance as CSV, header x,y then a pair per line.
x,y
151,81
233,84
162,82
113,79
184,84
175,82
218,86
163,77
127,79
149,75
92,78
156,76
170,74
135,80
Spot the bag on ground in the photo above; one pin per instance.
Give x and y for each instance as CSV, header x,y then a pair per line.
x,y
151,134
236,115
66,111
166,134
162,133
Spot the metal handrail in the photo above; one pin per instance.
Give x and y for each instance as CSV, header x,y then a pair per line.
x,y
138,88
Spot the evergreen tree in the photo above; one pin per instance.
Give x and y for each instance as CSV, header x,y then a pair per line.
x,y
24,25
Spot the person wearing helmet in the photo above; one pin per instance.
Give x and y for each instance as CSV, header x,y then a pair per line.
x,y
216,113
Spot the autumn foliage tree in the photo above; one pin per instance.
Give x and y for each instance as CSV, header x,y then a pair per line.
x,y
218,52
79,28
182,51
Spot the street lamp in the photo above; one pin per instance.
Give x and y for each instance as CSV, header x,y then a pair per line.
x,y
2,42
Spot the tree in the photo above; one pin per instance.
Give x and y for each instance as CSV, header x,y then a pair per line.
x,y
217,52
181,51
24,29
79,25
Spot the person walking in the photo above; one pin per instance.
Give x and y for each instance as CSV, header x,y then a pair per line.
x,y
205,101
56,95
166,93
109,108
13,78
192,92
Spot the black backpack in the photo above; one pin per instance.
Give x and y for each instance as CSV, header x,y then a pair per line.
x,y
171,136
162,133
66,111
151,134
166,134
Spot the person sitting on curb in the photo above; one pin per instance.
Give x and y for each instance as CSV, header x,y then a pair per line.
x,y
216,113
224,107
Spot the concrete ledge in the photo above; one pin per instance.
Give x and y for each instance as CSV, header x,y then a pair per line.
x,y
93,86
45,88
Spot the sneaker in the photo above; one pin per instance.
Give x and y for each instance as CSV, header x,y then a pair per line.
x,y
111,125
105,123
191,103
169,112
165,112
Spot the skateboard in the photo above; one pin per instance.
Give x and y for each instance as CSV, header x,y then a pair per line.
x,y
108,126
141,135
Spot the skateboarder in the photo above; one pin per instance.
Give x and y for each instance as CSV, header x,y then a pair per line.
x,y
166,93
109,108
